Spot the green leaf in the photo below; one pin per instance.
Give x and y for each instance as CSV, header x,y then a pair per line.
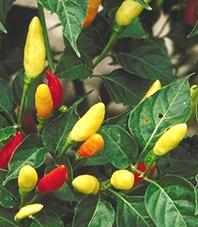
x,y
71,14
120,148
131,211
70,67
5,92
194,32
2,28
196,195
171,202
134,30
59,128
5,6
66,194
47,219
145,58
169,106
5,133
31,152
184,155
7,198
6,218
144,4
100,159
92,212
124,88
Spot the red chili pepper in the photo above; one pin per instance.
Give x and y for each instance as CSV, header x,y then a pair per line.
x,y
190,13
53,180
142,167
56,88
9,148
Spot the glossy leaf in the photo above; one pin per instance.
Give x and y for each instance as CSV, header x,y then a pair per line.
x,y
144,4
171,202
71,14
169,106
131,211
120,148
5,6
47,219
92,212
5,133
7,198
31,152
66,194
6,218
145,58
134,30
194,32
5,92
2,28
124,88
59,128
71,67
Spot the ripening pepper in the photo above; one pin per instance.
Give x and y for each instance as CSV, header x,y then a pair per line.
x,y
92,146
93,6
127,12
35,51
142,167
154,87
190,12
88,124
43,101
27,179
28,211
53,180
170,139
122,179
9,148
86,184
56,88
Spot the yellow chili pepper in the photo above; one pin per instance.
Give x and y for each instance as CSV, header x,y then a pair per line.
x,y
88,124
28,211
43,101
35,51
127,12
27,179
170,139
154,87
92,146
86,184
122,179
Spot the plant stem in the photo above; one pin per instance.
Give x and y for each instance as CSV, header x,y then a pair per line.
x,y
113,38
41,124
46,38
66,146
26,85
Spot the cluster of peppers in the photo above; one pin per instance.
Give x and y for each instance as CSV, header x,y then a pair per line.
x,y
49,97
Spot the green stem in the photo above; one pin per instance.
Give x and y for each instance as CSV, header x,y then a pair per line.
x,y
26,85
36,197
112,40
105,185
46,38
66,146
21,200
41,124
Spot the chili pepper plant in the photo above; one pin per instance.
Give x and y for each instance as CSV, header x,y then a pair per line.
x,y
71,162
